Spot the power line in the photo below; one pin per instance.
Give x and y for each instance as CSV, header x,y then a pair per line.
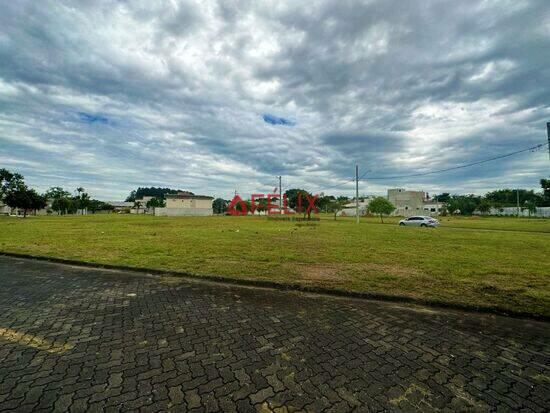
x,y
539,146
356,194
340,184
337,185
532,148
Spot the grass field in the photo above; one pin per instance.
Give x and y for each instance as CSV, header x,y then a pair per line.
x,y
501,263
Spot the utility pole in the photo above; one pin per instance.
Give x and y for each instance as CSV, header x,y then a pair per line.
x,y
517,200
548,133
280,196
357,194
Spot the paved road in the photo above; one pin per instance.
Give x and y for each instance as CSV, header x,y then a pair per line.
x,y
91,340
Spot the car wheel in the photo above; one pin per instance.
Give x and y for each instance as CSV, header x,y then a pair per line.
x,y
423,225
401,224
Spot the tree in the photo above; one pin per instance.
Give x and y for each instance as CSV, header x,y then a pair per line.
x,y
292,196
324,203
484,206
5,179
260,204
335,206
247,206
381,206
56,192
37,201
151,191
63,205
443,198
545,185
82,200
95,205
508,197
9,180
531,207
24,198
297,199
107,207
219,205
61,199
156,203
466,204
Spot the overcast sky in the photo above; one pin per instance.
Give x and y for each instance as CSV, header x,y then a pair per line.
x,y
215,96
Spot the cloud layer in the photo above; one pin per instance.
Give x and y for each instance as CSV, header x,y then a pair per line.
x,y
217,96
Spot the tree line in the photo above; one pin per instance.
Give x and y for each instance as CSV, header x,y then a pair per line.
x,y
17,195
155,192
158,194
467,204
450,204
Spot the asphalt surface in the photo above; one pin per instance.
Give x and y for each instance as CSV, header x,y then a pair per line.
x,y
81,339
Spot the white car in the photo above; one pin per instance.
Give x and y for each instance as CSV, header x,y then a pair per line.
x,y
419,221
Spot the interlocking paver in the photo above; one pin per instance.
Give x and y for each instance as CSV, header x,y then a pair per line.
x,y
77,339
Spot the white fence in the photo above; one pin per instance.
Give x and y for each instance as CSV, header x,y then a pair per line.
x,y
179,212
541,212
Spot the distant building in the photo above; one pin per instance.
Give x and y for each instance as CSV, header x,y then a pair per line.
x,y
432,207
408,203
541,212
140,205
144,199
4,209
186,204
349,209
120,206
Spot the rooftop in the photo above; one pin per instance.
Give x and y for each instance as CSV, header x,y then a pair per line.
x,y
120,204
187,195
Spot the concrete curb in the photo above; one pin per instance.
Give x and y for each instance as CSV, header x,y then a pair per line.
x,y
288,287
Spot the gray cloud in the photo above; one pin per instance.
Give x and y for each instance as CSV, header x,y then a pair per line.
x,y
112,95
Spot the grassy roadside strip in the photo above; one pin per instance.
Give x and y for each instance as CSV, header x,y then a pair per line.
x,y
288,287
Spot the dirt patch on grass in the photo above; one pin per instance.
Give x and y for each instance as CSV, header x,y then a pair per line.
x,y
393,269
322,272
336,272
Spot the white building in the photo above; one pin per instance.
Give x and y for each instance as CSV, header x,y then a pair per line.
x,y
350,208
408,203
140,205
432,208
186,204
121,206
4,209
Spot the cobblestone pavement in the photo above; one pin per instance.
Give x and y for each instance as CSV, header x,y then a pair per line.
x,y
92,340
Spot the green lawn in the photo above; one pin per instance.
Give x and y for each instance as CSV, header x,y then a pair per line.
x,y
501,263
